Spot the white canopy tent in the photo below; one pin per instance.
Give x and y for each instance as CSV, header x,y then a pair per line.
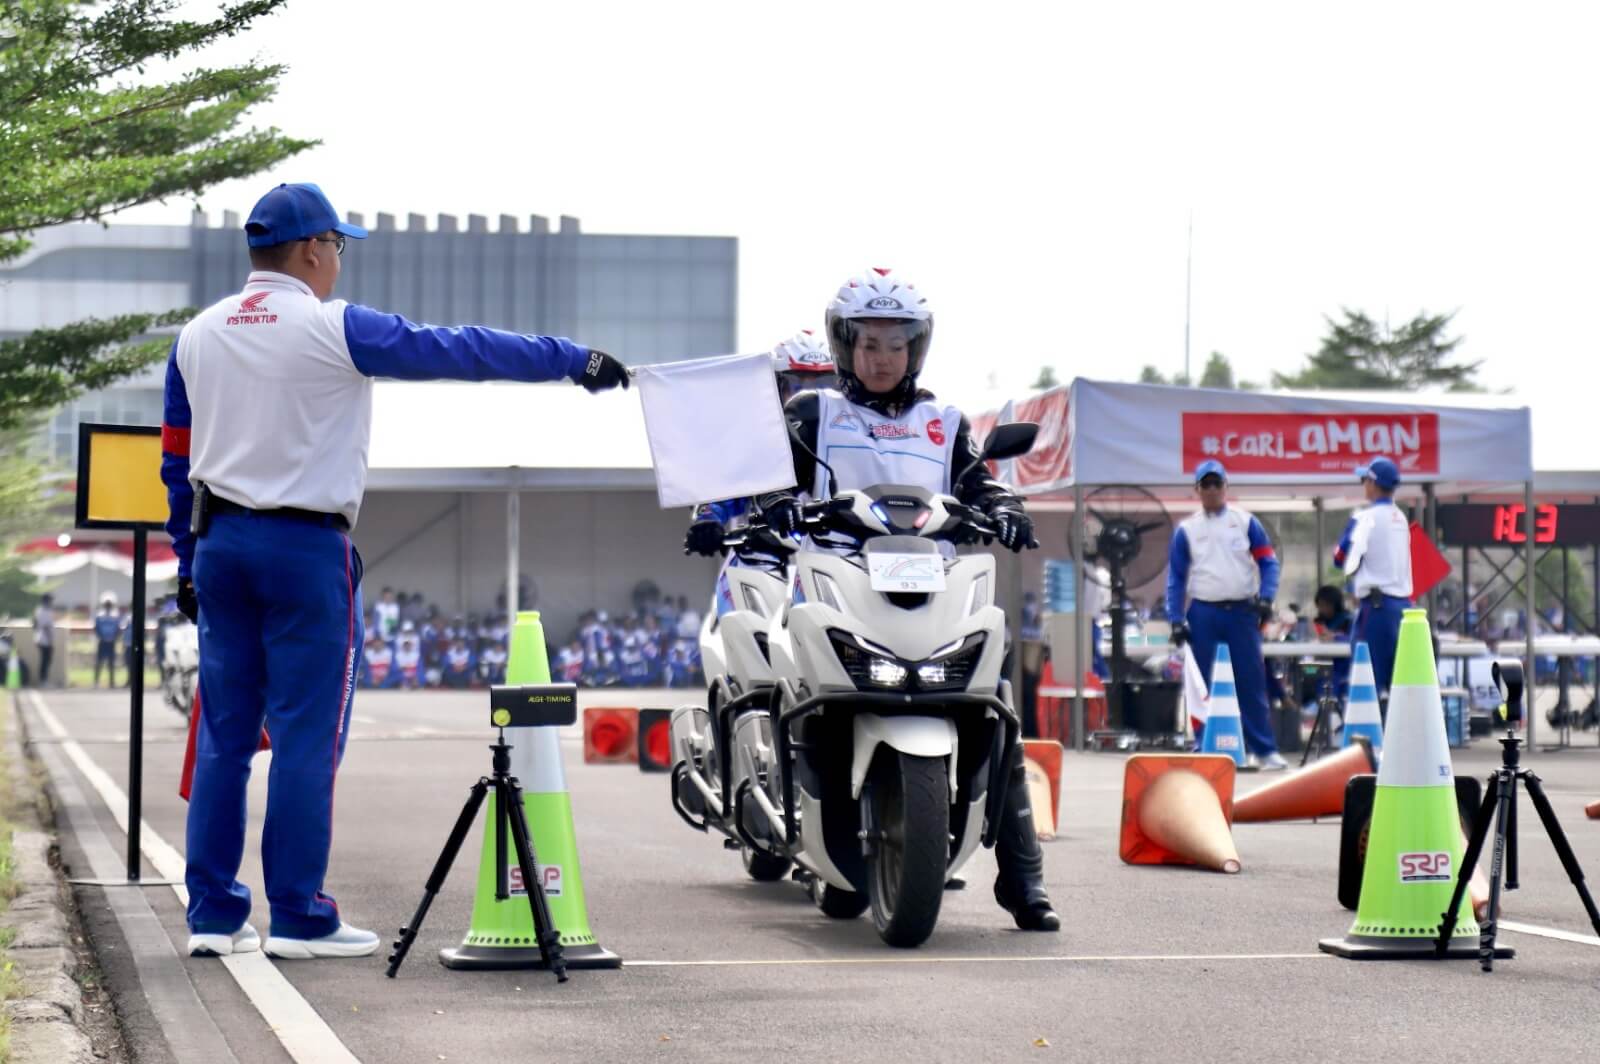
x,y
1274,444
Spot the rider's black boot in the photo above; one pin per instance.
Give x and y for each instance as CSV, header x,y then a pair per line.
x,y
1019,888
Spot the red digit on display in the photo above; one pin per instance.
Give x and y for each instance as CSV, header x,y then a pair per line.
x,y
1544,524
1508,524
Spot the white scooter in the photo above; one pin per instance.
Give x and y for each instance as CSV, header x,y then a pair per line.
x,y
180,664
882,764
733,649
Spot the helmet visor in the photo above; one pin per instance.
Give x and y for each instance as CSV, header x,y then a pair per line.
x,y
880,352
793,383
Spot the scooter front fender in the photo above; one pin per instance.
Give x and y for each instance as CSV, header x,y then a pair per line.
x,y
916,736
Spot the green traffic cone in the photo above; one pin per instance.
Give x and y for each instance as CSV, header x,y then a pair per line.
x,y
13,672
501,933
1414,848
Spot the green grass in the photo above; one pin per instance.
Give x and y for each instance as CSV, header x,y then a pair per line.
x,y
83,676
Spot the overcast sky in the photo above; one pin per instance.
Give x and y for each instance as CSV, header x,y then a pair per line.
x,y
1031,167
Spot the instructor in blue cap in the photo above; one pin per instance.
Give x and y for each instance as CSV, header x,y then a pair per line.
x,y
1223,562
264,453
1375,553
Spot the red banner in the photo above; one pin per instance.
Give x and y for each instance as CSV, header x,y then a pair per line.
x,y
1311,443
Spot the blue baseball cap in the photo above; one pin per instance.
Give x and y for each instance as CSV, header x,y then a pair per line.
x,y
1382,471
294,212
1210,467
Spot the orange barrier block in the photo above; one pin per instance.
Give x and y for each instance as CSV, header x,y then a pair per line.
x,y
1316,790
610,735
1593,809
1042,758
1177,809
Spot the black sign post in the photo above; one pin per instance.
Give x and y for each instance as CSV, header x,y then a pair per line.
x,y
119,486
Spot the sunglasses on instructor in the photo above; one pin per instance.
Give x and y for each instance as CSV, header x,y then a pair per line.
x,y
337,240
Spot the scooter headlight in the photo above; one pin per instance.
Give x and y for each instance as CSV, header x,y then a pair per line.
x,y
950,668
867,668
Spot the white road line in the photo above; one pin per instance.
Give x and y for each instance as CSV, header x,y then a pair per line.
x,y
1548,932
1070,959
305,1036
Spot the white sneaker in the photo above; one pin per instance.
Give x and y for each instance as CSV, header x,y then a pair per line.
x,y
244,940
346,942
1273,762
1252,763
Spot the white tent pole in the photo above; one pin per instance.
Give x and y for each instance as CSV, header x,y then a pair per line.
x,y
1317,562
1529,548
1079,624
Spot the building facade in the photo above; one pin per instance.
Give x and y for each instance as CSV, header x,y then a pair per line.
x,y
643,298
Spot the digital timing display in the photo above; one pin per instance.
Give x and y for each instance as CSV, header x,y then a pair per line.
x,y
1505,524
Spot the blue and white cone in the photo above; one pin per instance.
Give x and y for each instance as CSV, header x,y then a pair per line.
x,y
1362,719
1223,734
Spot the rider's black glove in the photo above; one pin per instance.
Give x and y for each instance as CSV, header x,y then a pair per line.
x,y
1015,529
783,515
704,537
188,602
1180,634
1264,609
602,372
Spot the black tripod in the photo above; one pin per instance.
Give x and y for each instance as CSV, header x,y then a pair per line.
x,y
1500,804
1319,677
511,819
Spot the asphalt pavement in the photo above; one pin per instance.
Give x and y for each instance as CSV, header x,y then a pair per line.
x,y
1152,963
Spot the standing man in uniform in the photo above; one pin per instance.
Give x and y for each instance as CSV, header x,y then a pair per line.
x,y
1223,562
1375,552
267,419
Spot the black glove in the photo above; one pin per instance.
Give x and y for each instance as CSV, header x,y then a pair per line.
x,y
1015,529
1264,609
602,372
188,603
783,515
704,537
1180,634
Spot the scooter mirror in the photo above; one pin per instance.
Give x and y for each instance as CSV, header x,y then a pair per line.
x,y
1010,441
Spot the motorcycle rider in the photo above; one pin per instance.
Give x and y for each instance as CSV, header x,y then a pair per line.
x,y
879,427
801,363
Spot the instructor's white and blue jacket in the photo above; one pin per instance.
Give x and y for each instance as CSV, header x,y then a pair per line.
x,y
1221,557
279,431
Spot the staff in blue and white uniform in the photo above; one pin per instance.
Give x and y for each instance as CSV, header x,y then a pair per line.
x,y
267,419
1375,552
879,427
1223,563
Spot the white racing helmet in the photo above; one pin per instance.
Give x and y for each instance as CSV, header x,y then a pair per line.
x,y
879,296
802,362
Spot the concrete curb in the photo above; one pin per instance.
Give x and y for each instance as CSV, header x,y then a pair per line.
x,y
47,1017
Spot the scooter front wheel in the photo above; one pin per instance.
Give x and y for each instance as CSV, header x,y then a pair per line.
x,y
910,799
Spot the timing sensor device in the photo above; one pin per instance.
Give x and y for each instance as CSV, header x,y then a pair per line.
x,y
533,705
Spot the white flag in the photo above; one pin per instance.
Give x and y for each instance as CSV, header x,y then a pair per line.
x,y
716,429
1196,699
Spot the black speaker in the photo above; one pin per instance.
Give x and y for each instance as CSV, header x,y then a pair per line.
x,y
1359,795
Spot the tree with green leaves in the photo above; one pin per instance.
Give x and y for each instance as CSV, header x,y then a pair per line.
x,y
1359,353
1218,372
1046,379
84,133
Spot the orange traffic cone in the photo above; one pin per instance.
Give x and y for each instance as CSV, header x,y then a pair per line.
x,y
1593,809
610,736
1176,809
1042,760
1316,790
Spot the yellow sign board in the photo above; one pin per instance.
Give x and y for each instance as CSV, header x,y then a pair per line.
x,y
119,477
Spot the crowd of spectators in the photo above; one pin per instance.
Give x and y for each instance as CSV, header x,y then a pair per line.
x,y
411,644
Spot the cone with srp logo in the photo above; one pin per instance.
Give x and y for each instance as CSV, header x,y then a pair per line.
x,y
501,934
1415,847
